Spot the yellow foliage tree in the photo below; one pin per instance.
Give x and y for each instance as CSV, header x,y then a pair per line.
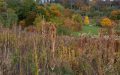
x,y
86,20
106,22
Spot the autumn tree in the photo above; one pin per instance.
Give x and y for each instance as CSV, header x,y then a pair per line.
x,y
3,6
64,2
7,15
82,5
14,4
79,3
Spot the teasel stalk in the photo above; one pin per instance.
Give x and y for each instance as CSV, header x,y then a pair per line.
x,y
43,42
53,37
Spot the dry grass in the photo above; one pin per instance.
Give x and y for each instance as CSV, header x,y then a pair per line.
x,y
31,53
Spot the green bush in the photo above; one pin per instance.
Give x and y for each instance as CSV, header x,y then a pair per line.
x,y
8,18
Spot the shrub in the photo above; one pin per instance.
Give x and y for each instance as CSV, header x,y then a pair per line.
x,y
86,20
106,22
115,15
72,24
78,19
9,18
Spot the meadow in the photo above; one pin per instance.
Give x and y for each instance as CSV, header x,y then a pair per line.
x,y
59,37
26,53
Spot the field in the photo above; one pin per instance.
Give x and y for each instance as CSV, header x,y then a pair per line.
x,y
59,37
25,53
